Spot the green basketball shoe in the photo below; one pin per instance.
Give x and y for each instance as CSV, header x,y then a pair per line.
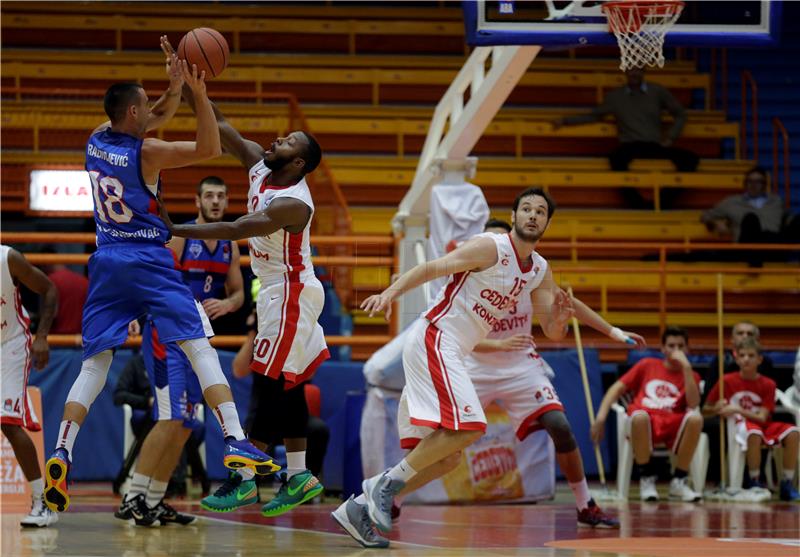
x,y
235,492
293,492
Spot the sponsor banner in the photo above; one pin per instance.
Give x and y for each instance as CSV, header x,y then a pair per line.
x,y
60,190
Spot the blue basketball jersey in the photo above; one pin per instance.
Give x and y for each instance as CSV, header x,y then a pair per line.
x,y
206,272
125,208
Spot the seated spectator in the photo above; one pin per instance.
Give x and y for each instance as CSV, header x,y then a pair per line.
x,y
749,399
739,332
637,108
72,289
753,217
666,395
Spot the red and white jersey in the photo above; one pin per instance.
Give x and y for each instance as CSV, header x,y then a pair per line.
x,y
517,321
749,394
471,303
14,320
656,387
281,253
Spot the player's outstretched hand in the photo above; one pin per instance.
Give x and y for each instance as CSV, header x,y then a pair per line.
x,y
379,303
562,309
190,76
174,71
41,352
638,340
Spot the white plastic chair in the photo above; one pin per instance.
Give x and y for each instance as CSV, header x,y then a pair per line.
x,y
698,468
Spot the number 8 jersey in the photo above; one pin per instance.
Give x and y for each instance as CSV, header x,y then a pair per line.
x,y
125,208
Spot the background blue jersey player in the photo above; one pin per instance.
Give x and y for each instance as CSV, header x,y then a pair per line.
x,y
132,272
212,270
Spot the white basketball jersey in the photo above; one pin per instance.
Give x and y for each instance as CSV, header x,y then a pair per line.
x,y
281,253
471,303
516,321
14,319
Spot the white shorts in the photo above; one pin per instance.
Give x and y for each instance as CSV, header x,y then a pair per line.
x,y
438,391
524,391
289,339
15,366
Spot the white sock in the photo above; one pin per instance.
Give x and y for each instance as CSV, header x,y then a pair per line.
x,y
581,491
67,434
295,463
246,473
788,474
37,488
139,485
402,471
361,500
754,474
229,420
155,492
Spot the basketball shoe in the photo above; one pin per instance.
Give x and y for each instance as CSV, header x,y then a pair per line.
x,y
679,489
787,491
380,492
166,514
234,492
242,454
293,492
56,495
135,508
354,518
40,515
594,517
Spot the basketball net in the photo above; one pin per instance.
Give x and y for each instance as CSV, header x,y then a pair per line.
x,y
640,26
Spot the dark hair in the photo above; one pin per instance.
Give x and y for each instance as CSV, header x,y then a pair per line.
x,y
312,154
497,223
757,170
551,205
211,181
118,98
674,332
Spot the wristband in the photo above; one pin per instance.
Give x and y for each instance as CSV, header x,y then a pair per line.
x,y
617,334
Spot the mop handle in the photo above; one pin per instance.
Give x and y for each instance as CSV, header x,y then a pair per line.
x,y
587,394
721,373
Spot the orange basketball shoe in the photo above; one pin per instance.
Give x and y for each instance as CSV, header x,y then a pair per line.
x,y
56,496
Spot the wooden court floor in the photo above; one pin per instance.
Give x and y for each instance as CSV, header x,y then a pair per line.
x,y
545,529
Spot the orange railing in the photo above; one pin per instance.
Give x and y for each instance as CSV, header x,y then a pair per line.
x,y
749,80
779,128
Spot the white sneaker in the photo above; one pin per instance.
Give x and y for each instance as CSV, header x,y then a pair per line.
x,y
647,488
679,489
40,515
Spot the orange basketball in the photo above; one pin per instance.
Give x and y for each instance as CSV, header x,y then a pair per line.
x,y
207,49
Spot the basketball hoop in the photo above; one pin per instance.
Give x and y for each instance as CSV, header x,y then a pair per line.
x,y
640,26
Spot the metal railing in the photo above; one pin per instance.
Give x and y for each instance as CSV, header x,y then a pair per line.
x,y
749,82
778,129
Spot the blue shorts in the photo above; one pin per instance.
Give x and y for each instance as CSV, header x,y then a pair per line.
x,y
129,280
176,389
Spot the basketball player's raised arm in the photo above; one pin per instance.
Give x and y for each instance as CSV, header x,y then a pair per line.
x,y
552,306
158,154
166,106
476,254
589,317
37,281
284,212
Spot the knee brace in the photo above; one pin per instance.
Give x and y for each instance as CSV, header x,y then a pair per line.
x,y
205,362
560,431
91,379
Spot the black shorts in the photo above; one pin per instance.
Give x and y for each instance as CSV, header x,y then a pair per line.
x,y
276,414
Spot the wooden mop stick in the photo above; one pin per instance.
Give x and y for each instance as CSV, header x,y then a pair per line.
x,y
721,371
588,395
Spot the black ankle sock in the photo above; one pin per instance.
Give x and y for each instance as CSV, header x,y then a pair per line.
x,y
680,473
644,470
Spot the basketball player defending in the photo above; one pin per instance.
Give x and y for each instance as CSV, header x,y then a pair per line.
x,y
212,270
290,344
17,414
132,273
490,273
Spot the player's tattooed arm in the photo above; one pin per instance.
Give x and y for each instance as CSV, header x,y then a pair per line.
x,y
283,213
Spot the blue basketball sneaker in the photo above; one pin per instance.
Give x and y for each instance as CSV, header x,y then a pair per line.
x,y
242,454
56,496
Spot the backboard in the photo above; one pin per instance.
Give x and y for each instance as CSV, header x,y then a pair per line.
x,y
566,24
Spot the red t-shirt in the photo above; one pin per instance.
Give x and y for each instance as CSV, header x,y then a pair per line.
x,y
749,394
72,289
655,387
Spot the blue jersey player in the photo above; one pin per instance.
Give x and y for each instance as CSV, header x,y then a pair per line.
x,y
211,269
132,272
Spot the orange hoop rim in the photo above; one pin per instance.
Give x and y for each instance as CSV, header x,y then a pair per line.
x,y
656,7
